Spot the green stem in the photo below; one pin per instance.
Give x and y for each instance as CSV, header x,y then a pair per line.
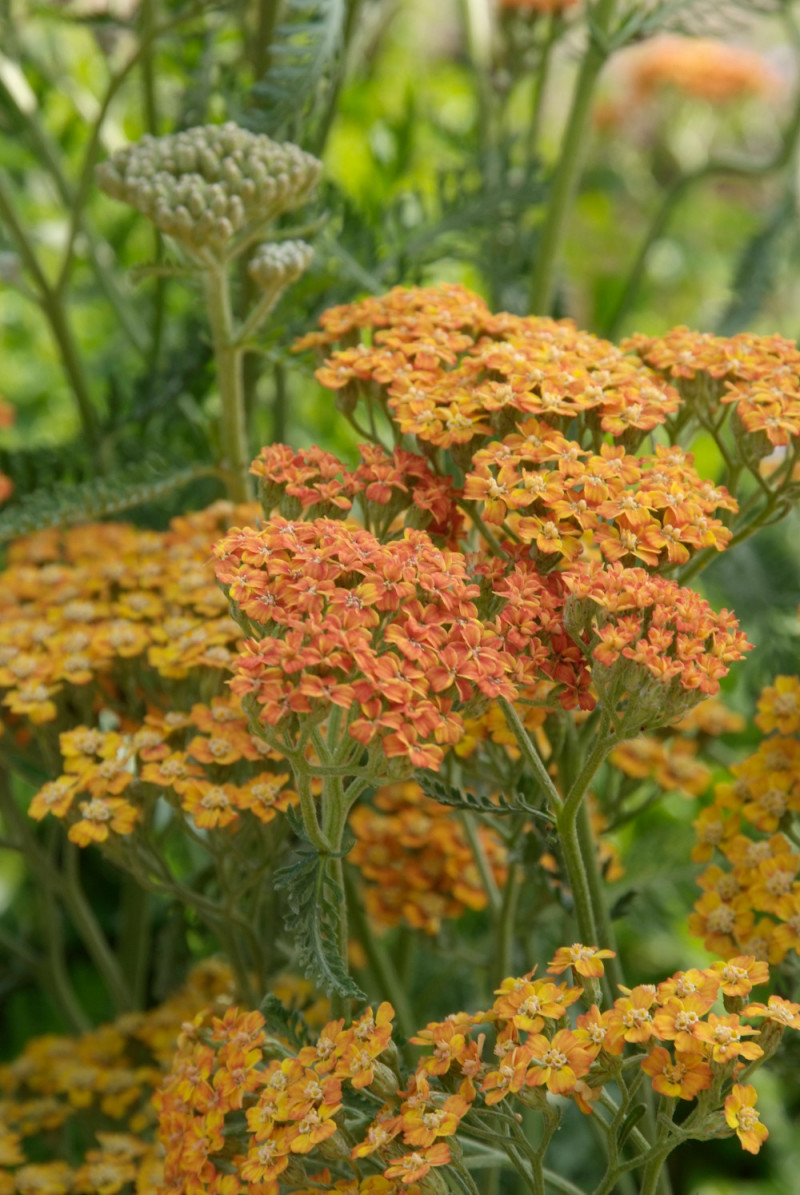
x,y
606,937
530,754
505,926
228,354
134,945
493,896
578,881
279,406
568,170
654,1170
94,939
266,18
584,778
57,973
55,315
336,804
554,26
308,811
379,959
148,76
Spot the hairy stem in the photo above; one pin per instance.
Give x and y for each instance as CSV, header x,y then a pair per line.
x,y
228,354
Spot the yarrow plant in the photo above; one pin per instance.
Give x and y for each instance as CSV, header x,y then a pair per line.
x,y
408,676
347,789
370,739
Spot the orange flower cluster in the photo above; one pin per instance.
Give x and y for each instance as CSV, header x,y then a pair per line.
x,y
390,632
700,66
88,611
526,406
758,376
668,634
452,373
240,1110
417,861
656,509
205,762
751,890
314,484
107,1077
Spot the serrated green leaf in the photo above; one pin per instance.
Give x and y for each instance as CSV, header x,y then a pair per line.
x,y
314,902
305,54
446,794
65,504
285,1022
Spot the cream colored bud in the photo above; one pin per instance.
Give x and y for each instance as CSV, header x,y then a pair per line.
x,y
280,264
233,177
221,232
236,212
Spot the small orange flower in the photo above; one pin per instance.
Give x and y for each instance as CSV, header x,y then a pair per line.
x,y
779,706
583,959
559,1063
724,1035
102,816
416,1165
681,1079
738,976
784,1012
741,1115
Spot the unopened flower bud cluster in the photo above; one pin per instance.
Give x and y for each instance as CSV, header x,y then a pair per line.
x,y
205,184
279,265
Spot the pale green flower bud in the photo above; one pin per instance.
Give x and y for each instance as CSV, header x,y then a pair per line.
x,y
280,264
204,185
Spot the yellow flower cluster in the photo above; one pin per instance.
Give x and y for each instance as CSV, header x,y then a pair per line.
x,y
103,1082
87,613
241,1111
751,890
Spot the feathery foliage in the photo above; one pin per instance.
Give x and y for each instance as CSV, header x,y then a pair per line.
x,y
315,900
66,504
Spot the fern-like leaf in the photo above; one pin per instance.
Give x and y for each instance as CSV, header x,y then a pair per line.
x,y
64,504
304,57
285,1023
446,794
315,900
